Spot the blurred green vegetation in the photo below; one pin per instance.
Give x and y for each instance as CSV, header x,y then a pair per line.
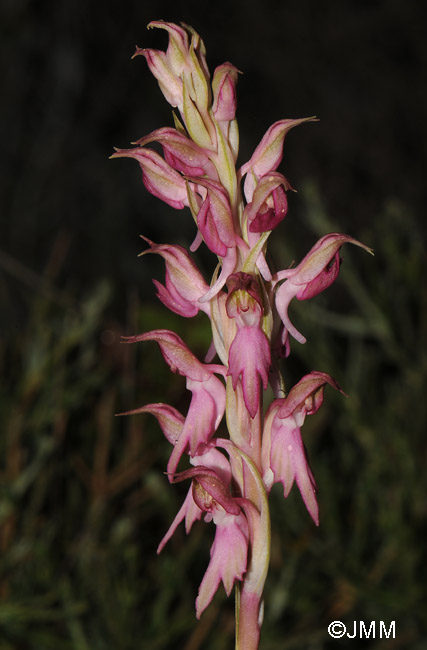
x,y
84,501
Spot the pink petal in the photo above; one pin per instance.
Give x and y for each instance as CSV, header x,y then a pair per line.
x,y
284,295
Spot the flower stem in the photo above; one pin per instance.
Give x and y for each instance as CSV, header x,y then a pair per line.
x,y
248,624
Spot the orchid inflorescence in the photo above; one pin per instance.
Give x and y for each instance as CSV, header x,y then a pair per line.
x,y
247,304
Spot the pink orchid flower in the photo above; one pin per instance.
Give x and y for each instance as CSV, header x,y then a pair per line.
x,y
208,456
249,355
184,284
269,204
158,176
268,154
284,457
315,273
207,404
209,493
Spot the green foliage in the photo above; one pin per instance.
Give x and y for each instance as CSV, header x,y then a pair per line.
x,y
84,501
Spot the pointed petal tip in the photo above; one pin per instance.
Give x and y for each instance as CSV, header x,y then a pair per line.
x,y
138,52
150,243
116,153
120,153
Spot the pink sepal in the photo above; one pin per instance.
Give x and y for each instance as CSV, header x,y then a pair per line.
x,y
228,265
209,490
160,67
184,282
177,50
244,302
224,92
180,152
268,154
175,352
307,394
215,218
170,420
158,177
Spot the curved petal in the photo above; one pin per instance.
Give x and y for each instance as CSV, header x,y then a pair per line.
x,y
284,295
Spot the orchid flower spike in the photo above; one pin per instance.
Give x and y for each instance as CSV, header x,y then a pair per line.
x,y
234,449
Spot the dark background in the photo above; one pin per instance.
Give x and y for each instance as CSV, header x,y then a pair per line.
x,y
84,502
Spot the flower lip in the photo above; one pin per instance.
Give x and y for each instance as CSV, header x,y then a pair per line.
x,y
250,360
